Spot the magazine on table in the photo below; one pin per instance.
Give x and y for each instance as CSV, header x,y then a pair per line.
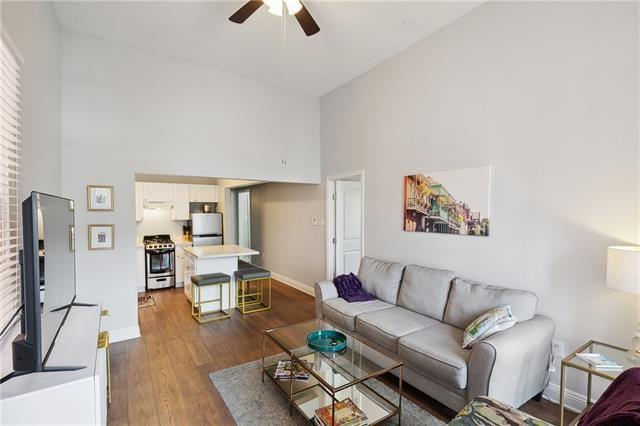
x,y
285,368
599,361
347,414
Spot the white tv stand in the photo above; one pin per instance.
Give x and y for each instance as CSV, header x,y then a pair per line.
x,y
64,397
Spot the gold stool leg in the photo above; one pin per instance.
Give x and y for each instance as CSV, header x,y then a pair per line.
x,y
193,301
199,304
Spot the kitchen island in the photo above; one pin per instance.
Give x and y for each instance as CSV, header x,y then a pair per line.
x,y
211,259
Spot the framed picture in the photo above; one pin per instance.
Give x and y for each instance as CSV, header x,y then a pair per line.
x,y
99,198
450,202
72,238
101,237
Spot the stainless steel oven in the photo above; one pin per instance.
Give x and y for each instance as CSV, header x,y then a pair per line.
x,y
160,259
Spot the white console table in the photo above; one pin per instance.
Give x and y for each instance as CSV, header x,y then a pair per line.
x,y
69,397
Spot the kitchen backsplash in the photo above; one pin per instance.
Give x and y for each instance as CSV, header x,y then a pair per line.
x,y
158,221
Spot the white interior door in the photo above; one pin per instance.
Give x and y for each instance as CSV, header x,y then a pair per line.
x,y
244,221
348,226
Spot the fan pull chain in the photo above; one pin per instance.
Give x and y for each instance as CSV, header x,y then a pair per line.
x,y
283,153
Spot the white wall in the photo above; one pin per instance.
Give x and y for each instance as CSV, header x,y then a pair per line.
x,y
34,29
547,93
127,111
281,230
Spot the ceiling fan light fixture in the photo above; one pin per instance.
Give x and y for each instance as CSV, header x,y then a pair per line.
x,y
276,6
293,6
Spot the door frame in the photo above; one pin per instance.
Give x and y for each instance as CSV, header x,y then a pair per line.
x,y
330,209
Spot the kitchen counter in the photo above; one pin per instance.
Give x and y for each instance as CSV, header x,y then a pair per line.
x,y
210,260
225,250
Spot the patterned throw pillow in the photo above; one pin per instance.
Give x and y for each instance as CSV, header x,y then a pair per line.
x,y
491,322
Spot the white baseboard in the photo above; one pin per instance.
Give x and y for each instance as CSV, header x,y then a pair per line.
x,y
293,283
573,401
120,334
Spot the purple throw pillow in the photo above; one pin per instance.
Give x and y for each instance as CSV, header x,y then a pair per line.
x,y
350,288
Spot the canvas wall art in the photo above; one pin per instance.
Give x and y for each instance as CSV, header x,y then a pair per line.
x,y
451,202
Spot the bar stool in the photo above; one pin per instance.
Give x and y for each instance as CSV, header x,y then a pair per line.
x,y
248,300
200,283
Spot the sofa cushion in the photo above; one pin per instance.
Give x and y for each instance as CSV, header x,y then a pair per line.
x,y
469,300
425,290
387,325
381,278
343,313
436,352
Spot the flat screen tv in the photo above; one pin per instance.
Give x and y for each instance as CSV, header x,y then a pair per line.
x,y
48,281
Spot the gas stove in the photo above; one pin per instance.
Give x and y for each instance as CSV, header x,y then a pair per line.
x,y
160,254
152,242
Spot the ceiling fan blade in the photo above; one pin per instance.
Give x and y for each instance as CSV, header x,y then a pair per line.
x,y
306,21
246,11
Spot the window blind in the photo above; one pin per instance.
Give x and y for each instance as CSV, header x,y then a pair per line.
x,y
10,235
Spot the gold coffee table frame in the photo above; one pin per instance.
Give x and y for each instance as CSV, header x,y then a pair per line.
x,y
344,373
208,316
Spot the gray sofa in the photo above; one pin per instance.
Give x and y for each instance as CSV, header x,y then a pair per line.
x,y
420,315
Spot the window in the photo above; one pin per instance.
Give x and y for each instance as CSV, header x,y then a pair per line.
x,y
9,171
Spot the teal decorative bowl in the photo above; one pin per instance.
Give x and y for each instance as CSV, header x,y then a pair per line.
x,y
327,340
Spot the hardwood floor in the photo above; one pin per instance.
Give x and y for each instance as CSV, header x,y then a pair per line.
x,y
162,377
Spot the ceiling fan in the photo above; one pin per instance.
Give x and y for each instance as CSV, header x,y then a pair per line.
x,y
276,7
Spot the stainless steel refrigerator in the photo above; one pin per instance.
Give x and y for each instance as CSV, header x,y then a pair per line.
x,y
206,229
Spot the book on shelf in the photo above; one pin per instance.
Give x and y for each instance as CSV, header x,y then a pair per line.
x,y
347,414
600,362
286,368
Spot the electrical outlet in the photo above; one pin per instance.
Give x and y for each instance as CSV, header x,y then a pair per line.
x,y
557,354
315,221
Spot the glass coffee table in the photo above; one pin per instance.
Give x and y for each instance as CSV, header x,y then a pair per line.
x,y
332,377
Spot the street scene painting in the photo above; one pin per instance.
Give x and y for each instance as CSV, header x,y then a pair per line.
x,y
450,202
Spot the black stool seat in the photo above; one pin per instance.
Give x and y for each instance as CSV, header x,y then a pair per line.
x,y
207,279
252,274
244,265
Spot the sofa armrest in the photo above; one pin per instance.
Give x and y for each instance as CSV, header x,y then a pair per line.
x,y
511,366
323,290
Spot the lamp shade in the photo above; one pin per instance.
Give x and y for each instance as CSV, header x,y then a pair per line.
x,y
623,268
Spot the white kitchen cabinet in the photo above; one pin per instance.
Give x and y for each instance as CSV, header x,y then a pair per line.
x,y
180,208
139,201
179,266
158,192
189,270
203,193
141,279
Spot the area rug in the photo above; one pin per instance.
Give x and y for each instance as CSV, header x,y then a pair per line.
x,y
252,402
146,300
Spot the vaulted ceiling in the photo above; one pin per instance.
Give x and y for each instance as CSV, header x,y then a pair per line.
x,y
355,36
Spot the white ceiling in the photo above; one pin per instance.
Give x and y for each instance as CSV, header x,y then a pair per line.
x,y
355,35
